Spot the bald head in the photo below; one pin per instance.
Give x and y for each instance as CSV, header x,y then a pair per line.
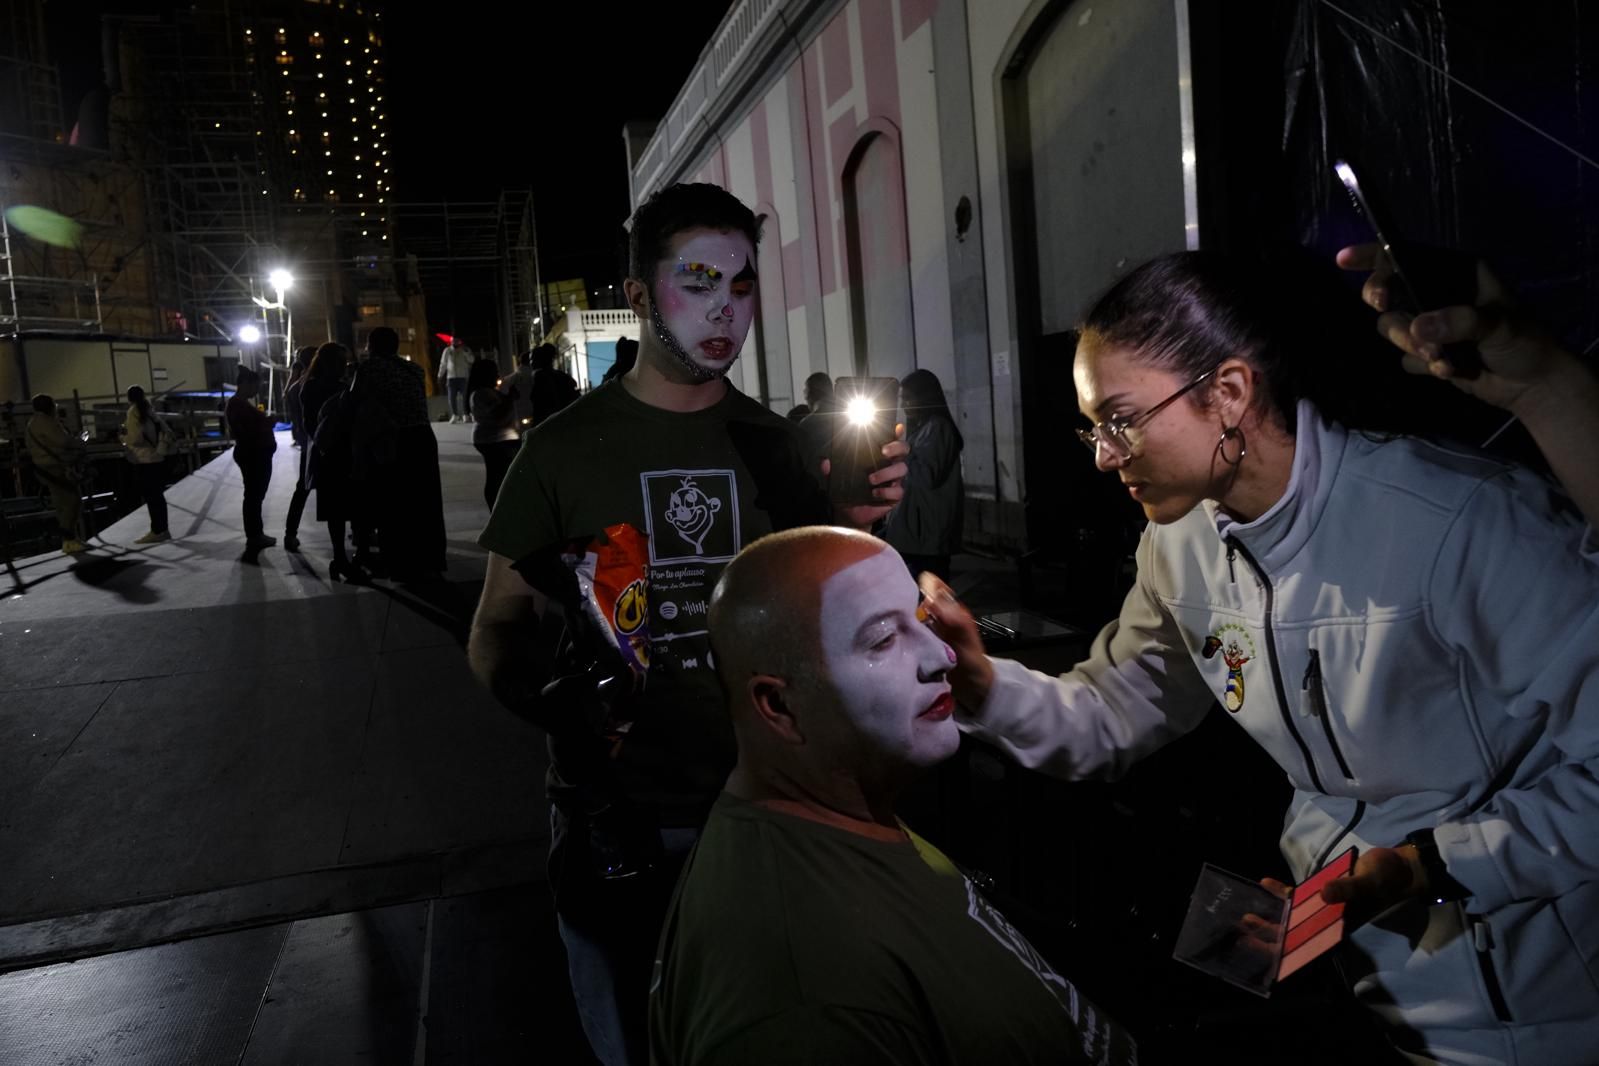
x,y
766,609
832,672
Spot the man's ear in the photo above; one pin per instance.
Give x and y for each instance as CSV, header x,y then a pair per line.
x,y
769,697
638,297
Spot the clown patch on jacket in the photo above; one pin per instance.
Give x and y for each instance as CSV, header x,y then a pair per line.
x,y
1235,646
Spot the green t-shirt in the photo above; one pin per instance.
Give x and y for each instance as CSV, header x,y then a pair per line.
x,y
701,486
794,942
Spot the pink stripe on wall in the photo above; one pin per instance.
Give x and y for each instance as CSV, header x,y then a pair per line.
x,y
912,13
822,183
760,143
793,275
878,46
835,58
716,166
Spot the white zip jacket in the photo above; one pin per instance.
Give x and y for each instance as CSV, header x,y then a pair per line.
x,y
1413,634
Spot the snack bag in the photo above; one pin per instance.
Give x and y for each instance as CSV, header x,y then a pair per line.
x,y
612,578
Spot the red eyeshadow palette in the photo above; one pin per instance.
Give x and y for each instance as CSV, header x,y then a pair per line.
x,y
1242,933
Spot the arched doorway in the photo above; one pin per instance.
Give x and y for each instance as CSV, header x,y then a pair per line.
x,y
878,245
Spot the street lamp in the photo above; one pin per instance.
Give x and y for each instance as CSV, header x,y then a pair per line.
x,y
280,280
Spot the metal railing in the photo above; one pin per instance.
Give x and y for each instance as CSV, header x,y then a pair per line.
x,y
730,49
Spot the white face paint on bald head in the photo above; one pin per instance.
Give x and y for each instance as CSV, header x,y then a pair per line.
x,y
703,299
885,664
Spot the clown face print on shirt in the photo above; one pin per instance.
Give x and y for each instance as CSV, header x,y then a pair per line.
x,y
692,514
703,300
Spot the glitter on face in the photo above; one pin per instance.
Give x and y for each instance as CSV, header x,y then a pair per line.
x,y
702,306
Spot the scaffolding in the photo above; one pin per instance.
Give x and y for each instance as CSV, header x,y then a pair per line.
x,y
458,249
47,300
201,215
523,317
194,120
30,89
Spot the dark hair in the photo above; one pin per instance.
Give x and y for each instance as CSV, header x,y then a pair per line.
x,y
672,210
246,376
483,375
303,356
383,341
137,398
44,403
922,396
544,356
329,361
1187,312
525,358
818,384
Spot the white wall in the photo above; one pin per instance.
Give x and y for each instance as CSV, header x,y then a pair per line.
x,y
990,25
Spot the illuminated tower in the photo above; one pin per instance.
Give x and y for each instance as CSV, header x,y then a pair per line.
x,y
323,71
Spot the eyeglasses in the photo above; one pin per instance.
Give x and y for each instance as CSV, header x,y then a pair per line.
x,y
1111,434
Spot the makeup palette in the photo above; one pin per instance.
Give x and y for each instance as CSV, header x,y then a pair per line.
x,y
1244,934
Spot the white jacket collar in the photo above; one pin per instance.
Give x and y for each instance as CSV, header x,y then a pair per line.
x,y
1277,536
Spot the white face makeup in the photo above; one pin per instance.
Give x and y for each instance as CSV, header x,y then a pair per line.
x,y
704,300
888,668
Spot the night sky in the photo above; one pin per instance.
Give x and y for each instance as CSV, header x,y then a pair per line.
x,y
537,99
495,97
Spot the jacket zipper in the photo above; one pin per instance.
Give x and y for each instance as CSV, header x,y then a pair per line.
x,y
1276,667
1232,574
1349,827
1314,689
1482,940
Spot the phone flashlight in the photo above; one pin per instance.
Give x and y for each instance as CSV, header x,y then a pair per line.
x,y
856,449
1423,279
860,411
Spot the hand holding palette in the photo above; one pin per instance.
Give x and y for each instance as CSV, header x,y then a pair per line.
x,y
1247,935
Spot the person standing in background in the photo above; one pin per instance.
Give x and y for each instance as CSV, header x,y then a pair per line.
x,y
926,527
397,457
148,441
519,386
454,366
56,455
626,356
294,406
553,388
253,445
328,471
494,432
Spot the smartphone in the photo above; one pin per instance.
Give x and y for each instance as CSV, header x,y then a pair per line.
x,y
867,410
1424,279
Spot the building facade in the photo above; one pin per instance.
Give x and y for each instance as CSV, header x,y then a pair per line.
x,y
319,67
945,184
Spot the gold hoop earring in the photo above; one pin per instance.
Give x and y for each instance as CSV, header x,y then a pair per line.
x,y
1232,433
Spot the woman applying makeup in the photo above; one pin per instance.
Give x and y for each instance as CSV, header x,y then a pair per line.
x,y
1410,630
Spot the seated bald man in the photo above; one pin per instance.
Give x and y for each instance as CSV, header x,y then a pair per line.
x,y
810,925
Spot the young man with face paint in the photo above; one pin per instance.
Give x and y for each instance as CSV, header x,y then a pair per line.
x,y
697,470
810,925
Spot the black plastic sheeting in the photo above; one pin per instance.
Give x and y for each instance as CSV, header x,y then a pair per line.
x,y
1474,121
1478,121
